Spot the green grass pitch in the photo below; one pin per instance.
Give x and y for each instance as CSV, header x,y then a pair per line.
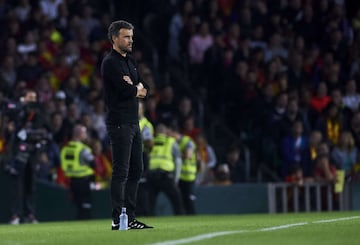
x,y
303,228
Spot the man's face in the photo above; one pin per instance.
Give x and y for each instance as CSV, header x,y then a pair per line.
x,y
124,40
30,97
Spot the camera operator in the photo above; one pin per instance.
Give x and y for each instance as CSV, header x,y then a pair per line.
x,y
28,135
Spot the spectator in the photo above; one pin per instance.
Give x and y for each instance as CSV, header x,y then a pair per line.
x,y
351,98
291,115
232,38
102,169
22,10
166,107
275,48
295,176
87,21
206,159
30,70
239,172
189,128
355,129
50,8
222,175
295,151
176,25
331,124
315,140
8,73
199,43
321,99
324,171
345,155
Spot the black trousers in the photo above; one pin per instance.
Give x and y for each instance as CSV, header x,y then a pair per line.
x,y
188,196
81,193
24,187
142,204
161,181
127,164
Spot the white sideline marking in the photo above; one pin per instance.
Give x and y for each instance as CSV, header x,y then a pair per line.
x,y
198,238
273,228
224,233
334,220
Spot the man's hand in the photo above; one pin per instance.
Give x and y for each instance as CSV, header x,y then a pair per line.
x,y
128,80
141,91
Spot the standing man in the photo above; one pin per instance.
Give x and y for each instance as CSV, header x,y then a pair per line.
x,y
122,89
77,162
147,134
188,169
27,133
164,170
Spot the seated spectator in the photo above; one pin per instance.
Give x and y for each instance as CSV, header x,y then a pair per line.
x,y
185,109
222,175
295,151
239,172
103,168
314,141
351,98
296,176
331,124
189,128
344,155
206,158
324,171
166,107
321,99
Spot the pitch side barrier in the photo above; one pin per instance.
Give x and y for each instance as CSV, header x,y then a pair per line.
x,y
286,197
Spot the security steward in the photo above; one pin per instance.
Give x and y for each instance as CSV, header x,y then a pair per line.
x,y
188,169
77,162
164,170
147,135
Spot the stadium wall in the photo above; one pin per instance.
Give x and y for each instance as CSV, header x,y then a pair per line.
x,y
54,202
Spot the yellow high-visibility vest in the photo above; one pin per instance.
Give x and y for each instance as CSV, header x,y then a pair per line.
x,y
70,160
145,122
188,167
161,154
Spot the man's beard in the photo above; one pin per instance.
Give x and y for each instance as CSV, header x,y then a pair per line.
x,y
126,49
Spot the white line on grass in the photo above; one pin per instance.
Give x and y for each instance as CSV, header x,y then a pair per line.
x,y
335,220
273,228
198,238
224,233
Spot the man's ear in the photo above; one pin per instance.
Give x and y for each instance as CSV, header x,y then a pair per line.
x,y
113,38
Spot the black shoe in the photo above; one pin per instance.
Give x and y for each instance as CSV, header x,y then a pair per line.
x,y
135,224
31,219
115,226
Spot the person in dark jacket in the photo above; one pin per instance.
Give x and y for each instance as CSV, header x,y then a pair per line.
x,y
123,87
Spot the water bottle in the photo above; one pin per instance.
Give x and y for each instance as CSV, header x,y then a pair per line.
x,y
123,220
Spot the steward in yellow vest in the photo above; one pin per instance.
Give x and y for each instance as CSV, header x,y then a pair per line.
x,y
147,136
164,170
147,133
188,169
77,162
73,160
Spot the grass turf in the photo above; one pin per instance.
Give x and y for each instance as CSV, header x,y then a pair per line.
x,y
247,230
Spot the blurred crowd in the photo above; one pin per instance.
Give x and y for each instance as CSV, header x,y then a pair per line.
x,y
282,76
